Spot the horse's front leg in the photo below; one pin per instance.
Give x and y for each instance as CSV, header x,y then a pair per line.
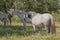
x,y
24,23
34,28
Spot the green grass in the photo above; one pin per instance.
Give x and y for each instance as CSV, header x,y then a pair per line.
x,y
57,17
16,32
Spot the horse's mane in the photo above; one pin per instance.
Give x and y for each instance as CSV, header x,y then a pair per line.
x,y
32,13
20,11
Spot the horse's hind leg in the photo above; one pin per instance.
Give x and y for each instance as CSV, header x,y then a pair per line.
x,y
48,29
4,21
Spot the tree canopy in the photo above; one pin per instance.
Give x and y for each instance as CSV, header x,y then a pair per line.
x,y
30,5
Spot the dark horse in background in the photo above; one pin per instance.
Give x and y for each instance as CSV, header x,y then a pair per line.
x,y
4,17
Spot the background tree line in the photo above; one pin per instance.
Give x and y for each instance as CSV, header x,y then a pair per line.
x,y
40,6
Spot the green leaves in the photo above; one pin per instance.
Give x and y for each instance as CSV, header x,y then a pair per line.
x,y
5,5
31,5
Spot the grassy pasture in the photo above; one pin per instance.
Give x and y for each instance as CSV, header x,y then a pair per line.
x,y
15,31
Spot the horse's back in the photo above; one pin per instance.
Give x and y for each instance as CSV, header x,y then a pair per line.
x,y
46,16
41,18
37,19
3,15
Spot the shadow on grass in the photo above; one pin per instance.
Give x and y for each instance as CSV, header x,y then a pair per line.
x,y
11,30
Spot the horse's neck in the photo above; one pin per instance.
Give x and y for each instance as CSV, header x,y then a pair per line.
x,y
20,15
34,14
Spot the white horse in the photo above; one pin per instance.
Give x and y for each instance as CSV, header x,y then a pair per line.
x,y
21,15
46,19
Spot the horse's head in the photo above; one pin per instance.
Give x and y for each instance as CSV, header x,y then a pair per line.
x,y
10,15
14,12
30,14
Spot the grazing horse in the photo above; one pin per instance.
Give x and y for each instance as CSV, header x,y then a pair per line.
x,y
21,15
46,19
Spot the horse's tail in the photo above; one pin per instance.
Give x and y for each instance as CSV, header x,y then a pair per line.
x,y
52,26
